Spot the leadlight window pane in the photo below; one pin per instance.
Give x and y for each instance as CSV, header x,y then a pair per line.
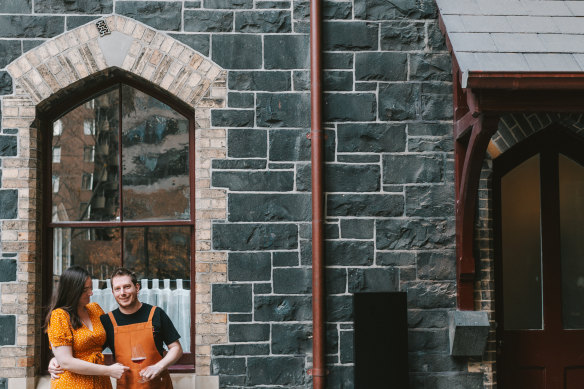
x,y
155,159
84,178
162,255
56,155
521,247
571,177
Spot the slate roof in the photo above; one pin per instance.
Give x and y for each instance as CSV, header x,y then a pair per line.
x,y
515,35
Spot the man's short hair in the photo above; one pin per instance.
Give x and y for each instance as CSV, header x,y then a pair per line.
x,y
122,271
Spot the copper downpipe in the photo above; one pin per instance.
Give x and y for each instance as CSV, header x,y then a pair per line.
x,y
317,165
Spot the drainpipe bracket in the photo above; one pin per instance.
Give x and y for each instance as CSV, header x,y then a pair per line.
x,y
318,372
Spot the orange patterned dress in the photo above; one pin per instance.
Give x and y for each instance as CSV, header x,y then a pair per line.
x,y
87,345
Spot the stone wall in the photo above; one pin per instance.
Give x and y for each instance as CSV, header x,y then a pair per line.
x,y
389,179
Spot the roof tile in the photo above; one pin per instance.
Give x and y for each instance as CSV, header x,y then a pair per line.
x,y
559,62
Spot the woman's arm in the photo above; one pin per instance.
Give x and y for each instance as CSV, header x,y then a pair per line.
x,y
64,355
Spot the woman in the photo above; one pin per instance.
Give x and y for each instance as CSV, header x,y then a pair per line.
x,y
77,336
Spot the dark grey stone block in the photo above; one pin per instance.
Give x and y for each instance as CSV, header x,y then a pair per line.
x,y
231,297
331,10
373,280
431,295
428,340
418,318
269,207
208,21
228,366
339,308
263,22
240,100
403,35
249,267
249,332
346,346
16,6
468,332
240,317
381,66
283,308
357,228
286,52
423,145
365,205
453,380
365,86
285,258
433,200
349,107
244,143
336,281
162,15
435,101
259,81
25,26
399,258
244,237
436,41
198,42
8,143
293,145
349,253
436,363
402,9
282,110
233,51
263,288
301,80
291,338
337,60
7,269
228,4
232,118
429,129
335,80
7,330
437,265
31,44
430,67
399,101
358,158
76,21
3,383
412,234
193,4
229,381
9,201
341,377
411,168
269,181
350,36
241,349
78,7
371,137
10,51
272,4
342,178
9,131
293,281
235,164
284,371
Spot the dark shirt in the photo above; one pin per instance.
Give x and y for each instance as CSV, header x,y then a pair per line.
x,y
164,331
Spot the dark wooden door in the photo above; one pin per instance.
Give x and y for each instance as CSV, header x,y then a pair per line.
x,y
540,263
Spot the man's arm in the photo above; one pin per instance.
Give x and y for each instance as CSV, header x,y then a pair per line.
x,y
174,353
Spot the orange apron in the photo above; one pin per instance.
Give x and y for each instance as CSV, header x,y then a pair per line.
x,y
127,336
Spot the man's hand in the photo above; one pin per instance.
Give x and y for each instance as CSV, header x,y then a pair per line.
x,y
55,369
151,372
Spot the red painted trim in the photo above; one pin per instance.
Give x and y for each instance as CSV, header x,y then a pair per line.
x,y
317,166
525,80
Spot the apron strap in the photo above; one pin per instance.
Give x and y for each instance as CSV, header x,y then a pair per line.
x,y
151,314
111,315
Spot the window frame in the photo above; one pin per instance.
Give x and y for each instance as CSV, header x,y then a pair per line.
x,y
68,102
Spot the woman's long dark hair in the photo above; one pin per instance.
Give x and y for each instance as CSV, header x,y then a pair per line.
x,y
67,294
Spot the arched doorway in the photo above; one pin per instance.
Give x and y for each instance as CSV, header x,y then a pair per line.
x,y
539,209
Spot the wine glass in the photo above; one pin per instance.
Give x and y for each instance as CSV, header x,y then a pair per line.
x,y
138,356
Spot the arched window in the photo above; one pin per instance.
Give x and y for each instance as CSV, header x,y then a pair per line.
x,y
122,194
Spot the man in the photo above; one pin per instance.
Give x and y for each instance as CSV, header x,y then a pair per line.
x,y
135,323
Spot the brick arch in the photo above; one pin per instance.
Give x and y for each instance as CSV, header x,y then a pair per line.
x,y
513,128
65,64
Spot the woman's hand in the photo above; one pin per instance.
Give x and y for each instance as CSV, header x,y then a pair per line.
x,y
55,369
117,370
